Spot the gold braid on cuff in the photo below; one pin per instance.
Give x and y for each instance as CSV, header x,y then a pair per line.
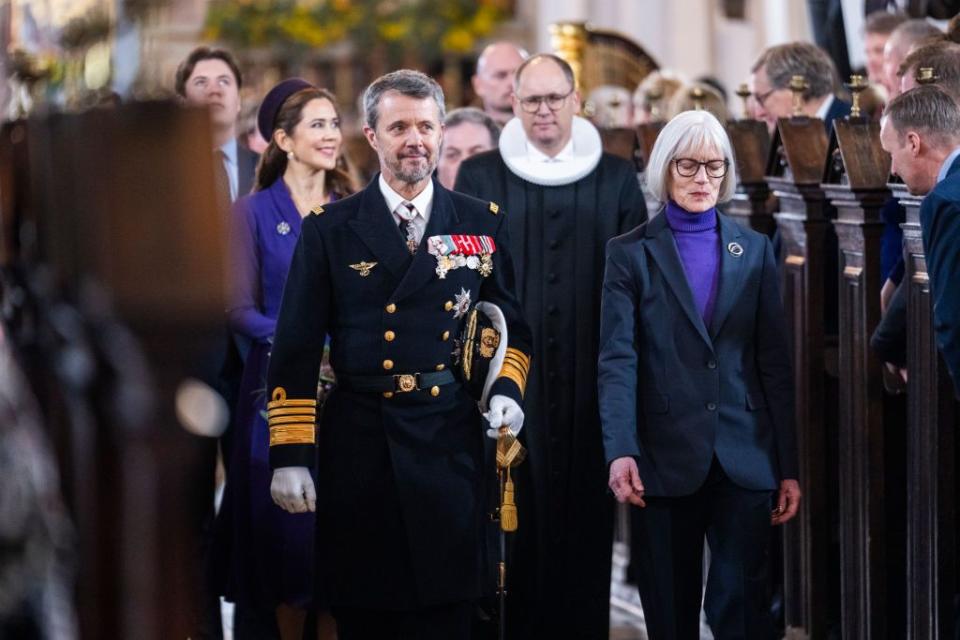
x,y
516,367
291,421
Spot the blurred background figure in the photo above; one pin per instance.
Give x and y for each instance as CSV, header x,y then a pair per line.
x,y
467,132
770,79
877,29
901,40
249,134
656,90
493,81
609,107
943,56
698,96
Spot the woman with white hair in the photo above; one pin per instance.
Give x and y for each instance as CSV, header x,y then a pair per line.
x,y
696,392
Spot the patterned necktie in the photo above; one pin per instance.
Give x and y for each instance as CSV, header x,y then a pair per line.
x,y
406,225
221,181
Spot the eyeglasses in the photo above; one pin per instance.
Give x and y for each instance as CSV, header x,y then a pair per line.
x,y
762,97
531,104
688,167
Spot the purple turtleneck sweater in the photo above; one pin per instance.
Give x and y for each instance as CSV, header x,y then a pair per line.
x,y
698,242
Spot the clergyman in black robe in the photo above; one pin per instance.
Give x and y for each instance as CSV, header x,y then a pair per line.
x,y
564,200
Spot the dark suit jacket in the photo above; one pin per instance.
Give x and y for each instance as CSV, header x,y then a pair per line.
x,y
838,109
673,392
246,170
889,339
398,507
940,224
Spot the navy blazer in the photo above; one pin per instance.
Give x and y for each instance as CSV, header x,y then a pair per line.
x,y
838,109
674,392
940,225
246,170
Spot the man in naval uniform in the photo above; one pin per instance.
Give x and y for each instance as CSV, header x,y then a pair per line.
x,y
390,273
565,199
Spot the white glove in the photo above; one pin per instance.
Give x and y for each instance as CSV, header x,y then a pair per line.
x,y
504,411
292,489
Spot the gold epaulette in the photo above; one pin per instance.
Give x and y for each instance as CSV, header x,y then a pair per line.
x,y
494,208
291,421
516,367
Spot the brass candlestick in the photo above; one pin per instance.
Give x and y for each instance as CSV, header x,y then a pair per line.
x,y
925,75
857,85
697,95
744,92
798,84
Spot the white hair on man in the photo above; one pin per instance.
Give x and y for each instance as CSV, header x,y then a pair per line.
x,y
688,134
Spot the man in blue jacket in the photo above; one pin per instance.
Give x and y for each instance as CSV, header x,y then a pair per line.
x,y
921,131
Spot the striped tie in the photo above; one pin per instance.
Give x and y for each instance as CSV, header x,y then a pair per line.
x,y
406,227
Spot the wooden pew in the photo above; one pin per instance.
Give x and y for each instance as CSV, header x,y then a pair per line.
x,y
126,223
855,182
794,172
754,202
931,452
647,135
621,142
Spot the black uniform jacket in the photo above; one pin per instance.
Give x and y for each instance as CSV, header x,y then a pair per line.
x,y
398,476
674,393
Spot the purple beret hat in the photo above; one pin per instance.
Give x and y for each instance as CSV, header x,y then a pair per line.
x,y
270,107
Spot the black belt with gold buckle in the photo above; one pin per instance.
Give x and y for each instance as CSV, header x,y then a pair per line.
x,y
398,383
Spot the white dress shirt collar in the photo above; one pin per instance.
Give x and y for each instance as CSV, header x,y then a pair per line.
x,y
825,107
945,167
423,201
565,155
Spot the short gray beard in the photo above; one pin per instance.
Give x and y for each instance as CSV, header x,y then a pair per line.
x,y
415,176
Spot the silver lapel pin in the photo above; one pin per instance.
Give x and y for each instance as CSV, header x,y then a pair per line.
x,y
735,249
283,228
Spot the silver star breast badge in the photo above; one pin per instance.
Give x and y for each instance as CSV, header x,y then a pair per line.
x,y
462,304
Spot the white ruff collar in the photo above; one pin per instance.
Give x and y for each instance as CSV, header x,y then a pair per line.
x,y
587,150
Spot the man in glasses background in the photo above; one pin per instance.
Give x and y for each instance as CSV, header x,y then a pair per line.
x,y
564,199
770,78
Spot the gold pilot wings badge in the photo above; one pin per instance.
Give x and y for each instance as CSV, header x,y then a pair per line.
x,y
363,268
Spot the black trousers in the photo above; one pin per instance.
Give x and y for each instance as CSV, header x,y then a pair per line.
x,y
668,541
447,622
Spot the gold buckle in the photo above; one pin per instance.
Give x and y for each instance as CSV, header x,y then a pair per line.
x,y
405,382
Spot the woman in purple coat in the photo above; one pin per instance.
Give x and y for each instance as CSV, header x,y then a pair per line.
x,y
271,567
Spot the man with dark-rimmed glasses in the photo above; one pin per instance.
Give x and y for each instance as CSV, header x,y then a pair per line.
x,y
770,77
564,199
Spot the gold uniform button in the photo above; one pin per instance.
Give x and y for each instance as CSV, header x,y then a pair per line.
x,y
448,305
388,394
389,336
441,367
445,336
434,391
391,308
388,364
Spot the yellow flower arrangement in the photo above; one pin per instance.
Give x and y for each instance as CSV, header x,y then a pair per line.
x,y
427,28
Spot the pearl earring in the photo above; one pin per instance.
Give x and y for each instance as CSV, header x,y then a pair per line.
x,y
290,155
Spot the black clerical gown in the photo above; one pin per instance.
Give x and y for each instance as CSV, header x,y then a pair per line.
x,y
559,573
